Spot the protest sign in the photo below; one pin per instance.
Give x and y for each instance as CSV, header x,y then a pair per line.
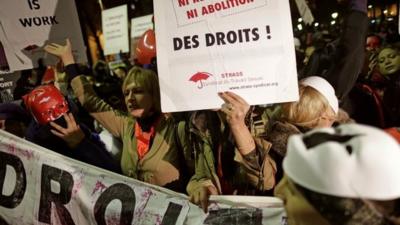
x,y
206,47
38,186
115,30
26,26
139,25
8,83
305,11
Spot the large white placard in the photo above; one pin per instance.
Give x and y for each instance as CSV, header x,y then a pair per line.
x,y
26,26
115,30
38,186
206,47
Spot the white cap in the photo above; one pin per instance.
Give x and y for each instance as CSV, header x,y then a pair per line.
x,y
323,87
350,161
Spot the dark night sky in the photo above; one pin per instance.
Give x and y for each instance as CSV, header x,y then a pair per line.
x,y
322,11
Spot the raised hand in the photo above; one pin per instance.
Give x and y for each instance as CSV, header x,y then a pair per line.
x,y
235,108
72,134
62,51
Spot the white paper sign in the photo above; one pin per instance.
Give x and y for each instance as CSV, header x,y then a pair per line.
x,y
26,26
206,47
305,11
139,25
38,186
115,30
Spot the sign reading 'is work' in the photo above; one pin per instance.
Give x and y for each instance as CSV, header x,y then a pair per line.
x,y
26,26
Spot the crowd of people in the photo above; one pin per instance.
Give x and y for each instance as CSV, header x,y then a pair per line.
x,y
312,153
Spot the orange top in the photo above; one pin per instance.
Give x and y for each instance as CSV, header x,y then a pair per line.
x,y
144,138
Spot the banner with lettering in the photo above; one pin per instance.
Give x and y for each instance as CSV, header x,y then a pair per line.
x,y
38,186
115,30
26,26
206,47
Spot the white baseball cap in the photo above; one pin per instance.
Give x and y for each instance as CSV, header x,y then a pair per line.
x,y
323,87
350,161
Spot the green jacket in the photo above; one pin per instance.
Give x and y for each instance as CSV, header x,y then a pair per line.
x,y
200,137
162,165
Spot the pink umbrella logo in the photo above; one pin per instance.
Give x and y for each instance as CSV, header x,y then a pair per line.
x,y
200,77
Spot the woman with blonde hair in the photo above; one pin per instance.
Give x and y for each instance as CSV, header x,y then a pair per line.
x,y
317,107
149,153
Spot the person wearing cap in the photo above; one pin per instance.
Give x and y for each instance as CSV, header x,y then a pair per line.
x,y
344,175
149,151
317,107
54,127
13,119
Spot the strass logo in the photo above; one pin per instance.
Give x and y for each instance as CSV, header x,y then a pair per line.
x,y
199,77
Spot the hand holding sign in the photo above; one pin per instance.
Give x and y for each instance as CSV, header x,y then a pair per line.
x,y
201,195
236,108
62,51
73,134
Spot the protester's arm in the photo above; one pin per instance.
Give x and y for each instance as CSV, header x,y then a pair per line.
x,y
349,56
201,169
111,119
251,152
259,167
83,145
235,110
199,192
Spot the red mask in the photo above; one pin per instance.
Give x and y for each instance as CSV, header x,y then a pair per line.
x,y
146,47
373,43
46,103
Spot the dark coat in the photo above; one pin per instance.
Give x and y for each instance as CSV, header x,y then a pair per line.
x,y
91,150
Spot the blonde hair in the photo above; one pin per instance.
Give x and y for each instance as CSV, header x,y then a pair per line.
x,y
148,80
307,111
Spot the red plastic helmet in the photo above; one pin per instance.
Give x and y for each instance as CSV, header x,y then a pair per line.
x,y
46,103
49,76
373,43
146,48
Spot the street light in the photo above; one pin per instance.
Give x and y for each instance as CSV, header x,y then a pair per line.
x,y
300,20
299,26
335,15
333,22
316,24
370,6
